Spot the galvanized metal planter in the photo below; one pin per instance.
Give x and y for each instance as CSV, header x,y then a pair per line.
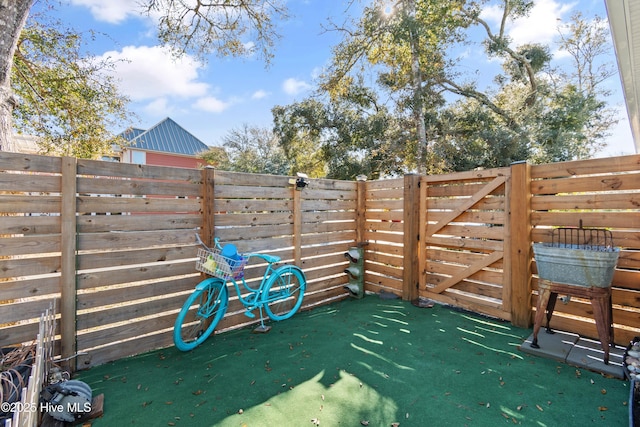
x,y
564,263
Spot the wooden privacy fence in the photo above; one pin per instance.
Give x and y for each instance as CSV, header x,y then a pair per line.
x,y
114,243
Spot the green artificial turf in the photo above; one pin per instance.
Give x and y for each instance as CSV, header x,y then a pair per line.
x,y
358,361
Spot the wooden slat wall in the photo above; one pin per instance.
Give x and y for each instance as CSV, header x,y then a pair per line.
x,y
135,255
131,247
384,233
601,193
465,227
311,228
30,248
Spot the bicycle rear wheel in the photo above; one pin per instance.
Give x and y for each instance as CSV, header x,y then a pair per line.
x,y
200,314
284,291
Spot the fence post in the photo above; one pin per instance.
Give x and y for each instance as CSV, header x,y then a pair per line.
x,y
411,217
68,289
520,244
361,209
208,204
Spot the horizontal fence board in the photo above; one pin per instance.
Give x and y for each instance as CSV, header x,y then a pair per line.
x,y
127,313
318,194
586,167
103,259
126,240
19,311
136,171
476,217
30,288
459,191
136,205
254,219
257,232
231,206
129,187
249,179
251,192
29,204
28,182
110,277
587,202
469,176
381,184
487,204
602,219
29,245
16,267
580,184
28,225
103,296
31,163
128,331
189,223
121,350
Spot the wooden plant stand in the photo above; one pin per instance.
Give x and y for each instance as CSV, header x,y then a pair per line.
x,y
600,300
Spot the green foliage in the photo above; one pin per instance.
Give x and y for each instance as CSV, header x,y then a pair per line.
x,y
66,98
532,112
222,28
249,149
349,135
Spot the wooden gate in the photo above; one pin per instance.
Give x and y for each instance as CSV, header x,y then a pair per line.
x,y
464,221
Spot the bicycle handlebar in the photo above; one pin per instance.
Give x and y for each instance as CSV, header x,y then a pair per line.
x,y
271,259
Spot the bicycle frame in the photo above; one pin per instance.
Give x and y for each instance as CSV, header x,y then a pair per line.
x,y
278,294
255,298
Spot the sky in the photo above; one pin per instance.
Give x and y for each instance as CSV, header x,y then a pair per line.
x,y
210,99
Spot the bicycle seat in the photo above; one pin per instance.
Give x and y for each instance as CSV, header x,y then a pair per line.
x,y
271,259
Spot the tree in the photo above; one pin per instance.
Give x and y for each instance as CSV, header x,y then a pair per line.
x,y
199,27
352,134
254,149
405,44
203,27
66,98
532,111
14,15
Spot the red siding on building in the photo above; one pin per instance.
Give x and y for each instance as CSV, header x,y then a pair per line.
x,y
160,159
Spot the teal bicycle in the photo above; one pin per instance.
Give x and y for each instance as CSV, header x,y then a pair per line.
x,y
279,293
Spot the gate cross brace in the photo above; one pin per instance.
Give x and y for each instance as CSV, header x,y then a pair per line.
x,y
471,269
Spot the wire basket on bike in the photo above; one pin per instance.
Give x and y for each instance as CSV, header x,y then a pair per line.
x,y
213,263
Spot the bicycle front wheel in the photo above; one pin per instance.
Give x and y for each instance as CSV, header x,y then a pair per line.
x,y
200,314
284,291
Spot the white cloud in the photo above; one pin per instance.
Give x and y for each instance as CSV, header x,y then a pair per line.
x,y
150,72
159,107
211,104
259,94
293,86
541,26
112,11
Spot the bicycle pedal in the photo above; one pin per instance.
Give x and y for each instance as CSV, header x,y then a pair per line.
x,y
249,314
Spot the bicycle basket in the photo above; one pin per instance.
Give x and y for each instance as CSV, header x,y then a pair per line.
x,y
215,264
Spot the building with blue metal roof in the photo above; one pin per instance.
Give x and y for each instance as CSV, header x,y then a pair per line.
x,y
166,144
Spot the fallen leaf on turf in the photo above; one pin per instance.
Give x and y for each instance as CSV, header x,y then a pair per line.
x,y
603,408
